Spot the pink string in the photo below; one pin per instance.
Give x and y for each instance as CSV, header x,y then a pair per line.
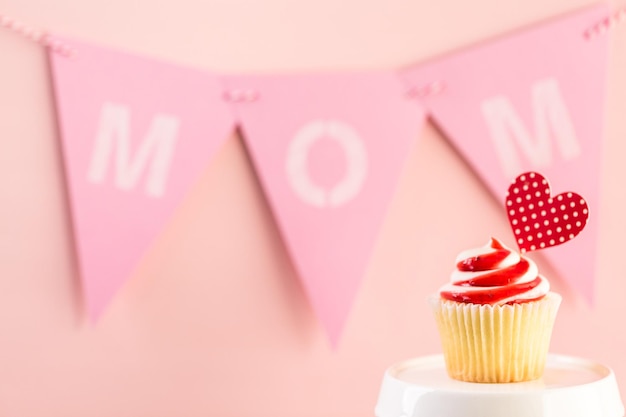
x,y
606,24
432,88
40,37
239,96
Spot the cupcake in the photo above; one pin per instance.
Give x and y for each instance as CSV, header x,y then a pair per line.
x,y
495,317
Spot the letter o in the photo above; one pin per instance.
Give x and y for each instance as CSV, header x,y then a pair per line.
x,y
296,164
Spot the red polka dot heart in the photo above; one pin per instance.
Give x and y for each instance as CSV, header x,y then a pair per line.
x,y
539,220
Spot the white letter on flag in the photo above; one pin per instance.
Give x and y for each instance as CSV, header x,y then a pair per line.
x,y
296,164
113,132
551,120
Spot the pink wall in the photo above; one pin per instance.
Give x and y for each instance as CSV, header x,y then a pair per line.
x,y
215,322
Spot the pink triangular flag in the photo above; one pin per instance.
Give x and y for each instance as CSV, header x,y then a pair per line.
x,y
136,134
530,101
328,150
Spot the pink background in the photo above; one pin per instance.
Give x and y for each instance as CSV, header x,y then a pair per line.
x,y
215,322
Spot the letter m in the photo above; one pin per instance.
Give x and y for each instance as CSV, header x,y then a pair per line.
x,y
153,154
552,122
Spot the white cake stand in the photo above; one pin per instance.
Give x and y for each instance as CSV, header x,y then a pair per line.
x,y
570,387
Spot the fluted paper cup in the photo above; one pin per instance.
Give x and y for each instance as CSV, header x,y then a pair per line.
x,y
496,343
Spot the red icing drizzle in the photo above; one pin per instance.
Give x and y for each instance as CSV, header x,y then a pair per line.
x,y
483,262
498,277
497,285
492,295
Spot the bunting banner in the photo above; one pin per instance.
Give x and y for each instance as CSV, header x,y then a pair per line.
x,y
328,148
136,134
329,169
533,100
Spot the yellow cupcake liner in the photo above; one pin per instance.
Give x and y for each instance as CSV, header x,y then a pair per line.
x,y
498,344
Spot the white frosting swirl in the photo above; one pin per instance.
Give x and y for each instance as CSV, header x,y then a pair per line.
x,y
494,274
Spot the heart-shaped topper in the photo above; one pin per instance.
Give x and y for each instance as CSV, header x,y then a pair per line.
x,y
539,220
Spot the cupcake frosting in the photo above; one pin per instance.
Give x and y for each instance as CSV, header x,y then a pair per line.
x,y
494,274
